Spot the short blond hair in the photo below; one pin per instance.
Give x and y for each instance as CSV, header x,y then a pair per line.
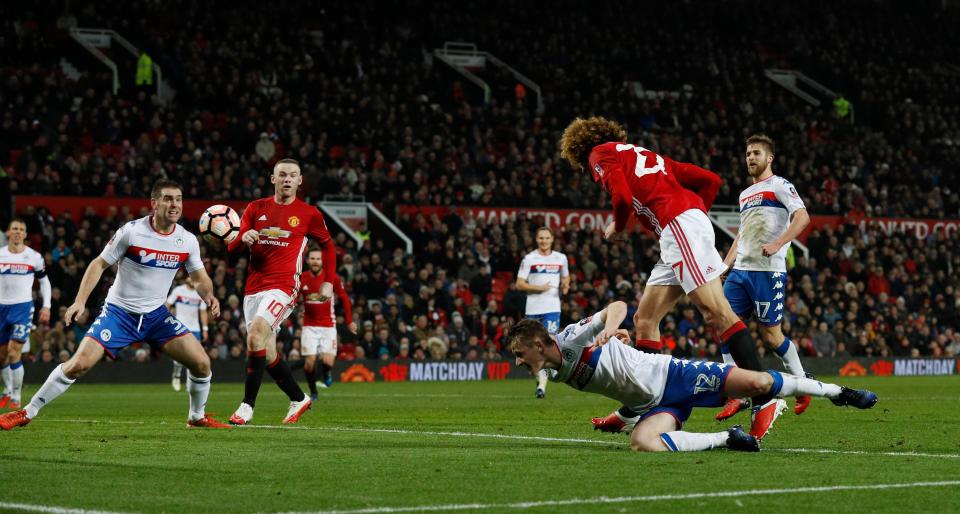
x,y
761,139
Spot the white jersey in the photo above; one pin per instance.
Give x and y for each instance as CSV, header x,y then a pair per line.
x,y
188,303
149,262
538,269
17,271
765,211
615,370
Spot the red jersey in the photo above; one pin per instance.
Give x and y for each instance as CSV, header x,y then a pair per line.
x,y
317,313
656,189
276,259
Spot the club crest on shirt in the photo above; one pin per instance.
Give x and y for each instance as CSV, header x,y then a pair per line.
x,y
293,221
598,169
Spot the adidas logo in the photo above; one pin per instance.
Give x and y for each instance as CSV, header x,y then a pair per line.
x,y
709,269
263,217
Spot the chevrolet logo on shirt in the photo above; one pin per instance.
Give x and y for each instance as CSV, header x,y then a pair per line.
x,y
274,233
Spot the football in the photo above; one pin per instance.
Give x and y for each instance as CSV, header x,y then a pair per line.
x,y
219,224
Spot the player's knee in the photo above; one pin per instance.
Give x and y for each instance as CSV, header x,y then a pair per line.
x,y
201,368
647,442
308,366
760,383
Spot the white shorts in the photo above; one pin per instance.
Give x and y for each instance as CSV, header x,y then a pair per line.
x,y
273,306
316,340
688,257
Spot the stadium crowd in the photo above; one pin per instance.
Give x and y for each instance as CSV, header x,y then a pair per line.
x,y
376,116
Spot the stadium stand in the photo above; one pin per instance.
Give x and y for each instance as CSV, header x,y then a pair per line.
x,y
375,116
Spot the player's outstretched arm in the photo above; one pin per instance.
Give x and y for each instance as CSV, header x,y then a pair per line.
x,y
205,288
612,316
90,279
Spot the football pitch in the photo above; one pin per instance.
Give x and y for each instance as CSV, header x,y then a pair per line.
x,y
471,447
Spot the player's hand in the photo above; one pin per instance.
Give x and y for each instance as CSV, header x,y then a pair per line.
x,y
213,304
770,249
249,237
73,311
326,292
44,316
604,336
565,290
610,232
352,327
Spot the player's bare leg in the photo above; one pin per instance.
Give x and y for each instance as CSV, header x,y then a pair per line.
x,y
656,303
60,379
5,374
188,351
661,433
787,351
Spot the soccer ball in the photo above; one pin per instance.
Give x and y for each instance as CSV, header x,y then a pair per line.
x,y
219,224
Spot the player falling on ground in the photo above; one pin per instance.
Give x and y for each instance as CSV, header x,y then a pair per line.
x,y
590,357
771,215
185,303
544,275
149,251
319,323
19,266
645,185
275,229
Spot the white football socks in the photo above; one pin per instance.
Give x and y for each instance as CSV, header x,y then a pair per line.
x,y
16,372
790,357
542,379
692,441
198,389
799,386
7,379
57,383
177,370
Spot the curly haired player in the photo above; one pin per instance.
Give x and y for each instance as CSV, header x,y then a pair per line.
x,y
668,198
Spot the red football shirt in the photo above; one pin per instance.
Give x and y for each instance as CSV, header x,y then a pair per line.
x,y
321,314
654,188
276,259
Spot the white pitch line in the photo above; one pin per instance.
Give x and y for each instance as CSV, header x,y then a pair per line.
x,y
624,442
628,499
26,507
449,434
860,452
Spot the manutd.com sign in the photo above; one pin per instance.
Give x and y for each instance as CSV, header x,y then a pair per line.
x,y
553,218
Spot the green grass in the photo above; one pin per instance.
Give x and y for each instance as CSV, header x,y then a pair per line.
x,y
125,448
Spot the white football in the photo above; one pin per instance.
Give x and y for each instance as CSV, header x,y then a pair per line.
x,y
219,224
